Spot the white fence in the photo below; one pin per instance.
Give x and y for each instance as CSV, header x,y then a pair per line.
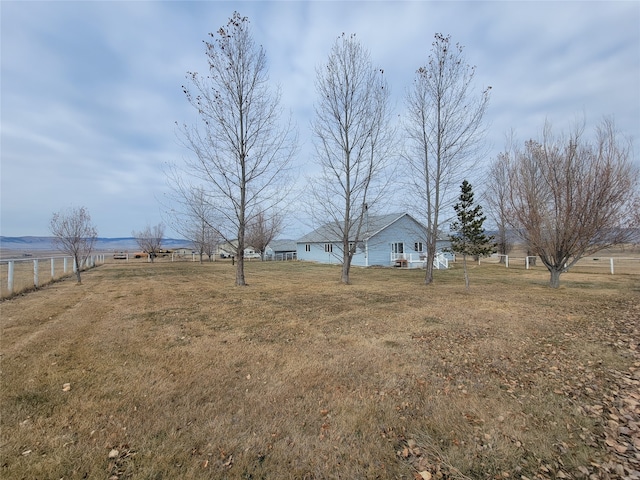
x,y
611,265
282,257
25,273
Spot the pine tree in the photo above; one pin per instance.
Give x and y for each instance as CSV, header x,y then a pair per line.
x,y
467,234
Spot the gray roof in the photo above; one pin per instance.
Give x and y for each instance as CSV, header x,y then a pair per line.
x,y
372,225
283,245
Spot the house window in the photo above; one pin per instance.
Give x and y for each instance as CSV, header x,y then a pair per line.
x,y
418,247
328,247
397,247
307,248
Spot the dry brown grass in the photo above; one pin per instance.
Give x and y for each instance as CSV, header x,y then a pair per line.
x,y
297,376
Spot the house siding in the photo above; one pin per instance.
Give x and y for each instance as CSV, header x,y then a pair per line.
x,y
317,253
404,230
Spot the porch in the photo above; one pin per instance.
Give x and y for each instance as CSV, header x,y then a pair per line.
x,y
418,260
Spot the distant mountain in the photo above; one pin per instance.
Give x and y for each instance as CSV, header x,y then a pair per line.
x,y
102,244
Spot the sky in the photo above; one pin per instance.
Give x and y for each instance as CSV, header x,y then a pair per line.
x,y
90,91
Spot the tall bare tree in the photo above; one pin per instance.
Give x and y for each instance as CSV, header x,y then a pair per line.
x,y
242,151
262,230
444,126
570,197
150,240
74,234
353,142
496,194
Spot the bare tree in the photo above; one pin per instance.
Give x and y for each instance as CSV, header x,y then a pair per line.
x,y
570,197
445,130
496,194
75,235
208,242
192,215
199,227
353,142
150,240
262,230
241,151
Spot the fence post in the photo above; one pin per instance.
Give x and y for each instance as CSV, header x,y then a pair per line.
x,y
506,262
64,265
35,273
53,268
526,262
10,279
611,263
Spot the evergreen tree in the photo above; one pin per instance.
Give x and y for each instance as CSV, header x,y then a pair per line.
x,y
467,234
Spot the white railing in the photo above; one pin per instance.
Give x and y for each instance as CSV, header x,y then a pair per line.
x,y
418,260
21,280
440,261
282,256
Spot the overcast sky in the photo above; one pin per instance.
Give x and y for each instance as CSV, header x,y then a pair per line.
x,y
91,91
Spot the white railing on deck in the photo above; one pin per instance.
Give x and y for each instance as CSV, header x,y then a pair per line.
x,y
418,260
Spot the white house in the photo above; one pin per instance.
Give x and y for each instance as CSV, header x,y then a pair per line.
x,y
387,240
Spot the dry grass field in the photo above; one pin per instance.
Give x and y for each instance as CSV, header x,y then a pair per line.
x,y
167,371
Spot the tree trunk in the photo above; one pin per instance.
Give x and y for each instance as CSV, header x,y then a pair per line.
x,y
428,277
345,274
554,281
78,265
466,273
431,255
240,281
346,267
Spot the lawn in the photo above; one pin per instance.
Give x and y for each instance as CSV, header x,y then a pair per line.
x,y
167,370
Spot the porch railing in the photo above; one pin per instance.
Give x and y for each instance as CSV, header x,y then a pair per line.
x,y
417,260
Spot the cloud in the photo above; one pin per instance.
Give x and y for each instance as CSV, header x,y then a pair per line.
x,y
91,91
